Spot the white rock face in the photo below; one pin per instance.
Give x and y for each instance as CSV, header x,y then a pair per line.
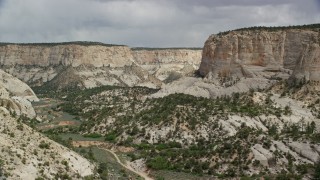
x,y
16,86
286,149
305,150
206,88
96,65
25,107
16,95
78,163
261,154
70,54
263,51
164,62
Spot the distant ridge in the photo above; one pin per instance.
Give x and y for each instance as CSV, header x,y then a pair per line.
x,y
168,48
93,43
81,43
275,28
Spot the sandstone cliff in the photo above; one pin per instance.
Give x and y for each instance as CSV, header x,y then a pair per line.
x,y
165,63
167,56
45,55
96,64
255,53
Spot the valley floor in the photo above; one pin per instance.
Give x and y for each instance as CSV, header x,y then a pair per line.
x,y
253,134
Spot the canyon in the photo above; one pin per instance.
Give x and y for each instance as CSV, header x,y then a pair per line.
x,y
246,104
95,64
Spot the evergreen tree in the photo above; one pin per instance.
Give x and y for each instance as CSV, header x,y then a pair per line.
x,y
316,175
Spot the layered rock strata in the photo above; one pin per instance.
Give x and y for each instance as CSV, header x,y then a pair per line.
x,y
95,64
252,53
168,63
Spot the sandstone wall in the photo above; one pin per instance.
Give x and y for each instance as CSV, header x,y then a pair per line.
x,y
71,54
167,56
168,64
237,51
96,64
97,55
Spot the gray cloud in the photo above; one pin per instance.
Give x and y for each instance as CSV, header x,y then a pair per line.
x,y
153,23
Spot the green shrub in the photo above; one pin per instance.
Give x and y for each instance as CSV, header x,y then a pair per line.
x,y
44,145
92,135
158,163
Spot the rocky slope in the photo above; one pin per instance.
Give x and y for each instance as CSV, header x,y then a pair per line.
x,y
94,64
16,95
25,153
263,53
246,134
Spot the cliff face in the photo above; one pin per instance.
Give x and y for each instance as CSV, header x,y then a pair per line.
x,y
95,65
166,63
248,53
67,55
167,56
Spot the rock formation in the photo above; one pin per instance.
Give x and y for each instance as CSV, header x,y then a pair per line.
x,y
255,53
96,64
46,55
16,95
25,153
166,63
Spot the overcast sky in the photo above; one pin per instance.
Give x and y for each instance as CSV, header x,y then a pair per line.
x,y
147,23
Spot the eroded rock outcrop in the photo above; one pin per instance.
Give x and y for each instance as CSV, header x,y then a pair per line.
x,y
45,55
15,95
168,64
94,64
256,53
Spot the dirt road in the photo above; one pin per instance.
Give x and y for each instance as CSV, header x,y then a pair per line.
x,y
144,175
